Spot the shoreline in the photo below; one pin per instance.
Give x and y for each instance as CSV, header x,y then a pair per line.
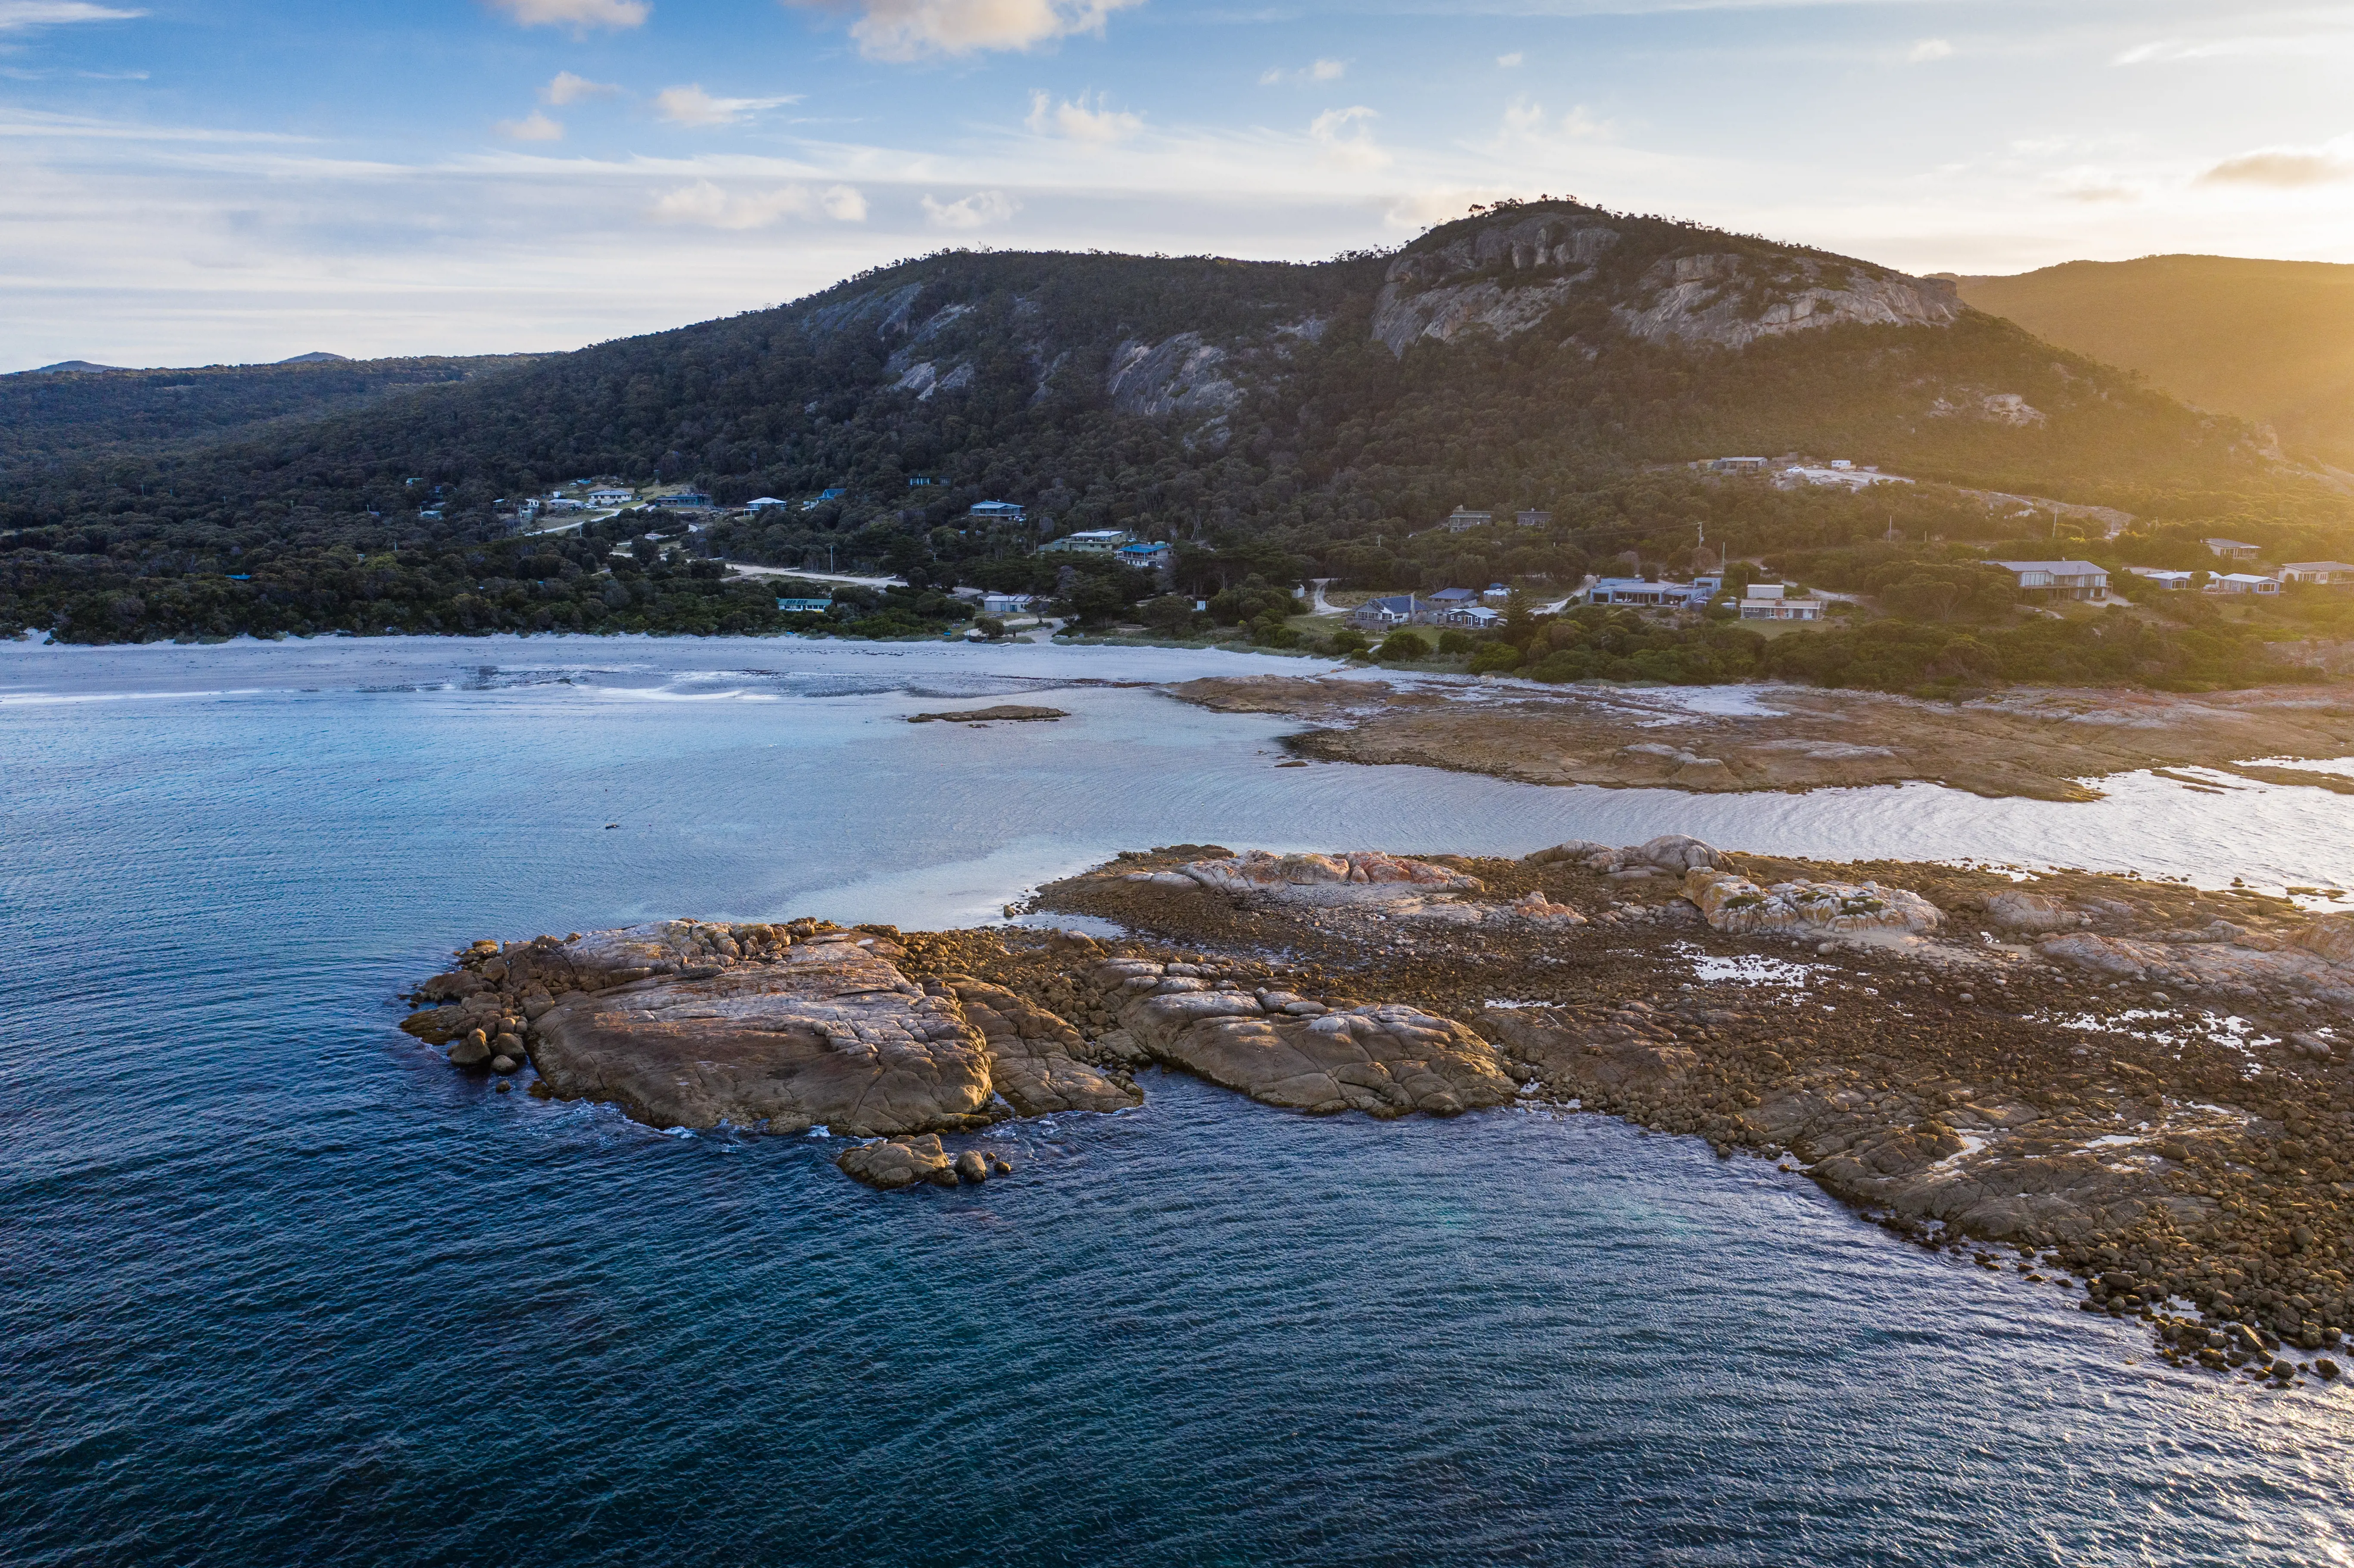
x,y
2136,1084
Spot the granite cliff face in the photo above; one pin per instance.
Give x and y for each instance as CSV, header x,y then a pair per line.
x,y
1509,276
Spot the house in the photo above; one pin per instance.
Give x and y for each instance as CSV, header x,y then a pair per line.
x,y
1463,517
1145,557
1736,465
916,480
1004,603
1532,519
682,499
805,606
2334,573
2159,577
2058,579
1086,542
563,504
1645,594
1433,609
1374,614
610,497
1496,593
1772,601
1841,475
2242,582
763,503
997,511
1477,617
432,511
2230,549
822,496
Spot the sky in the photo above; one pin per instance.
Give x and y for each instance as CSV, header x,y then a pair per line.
x,y
188,182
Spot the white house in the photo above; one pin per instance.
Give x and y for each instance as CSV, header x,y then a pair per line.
x,y
2058,579
765,503
1086,542
563,504
1496,593
1004,603
2231,550
2243,582
1774,601
610,497
1646,594
2325,572
2159,577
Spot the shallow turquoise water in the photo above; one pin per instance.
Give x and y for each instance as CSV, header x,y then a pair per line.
x,y
277,1286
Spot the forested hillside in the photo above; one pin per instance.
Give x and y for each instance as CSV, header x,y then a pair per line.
x,y
1272,417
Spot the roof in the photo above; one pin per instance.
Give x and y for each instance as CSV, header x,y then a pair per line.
x,y
1450,596
2235,544
2242,577
2318,567
2057,569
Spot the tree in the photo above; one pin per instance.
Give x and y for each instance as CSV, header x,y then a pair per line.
x,y
1404,647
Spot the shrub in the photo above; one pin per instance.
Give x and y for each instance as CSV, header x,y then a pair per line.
x,y
1349,642
1495,656
1453,642
1401,646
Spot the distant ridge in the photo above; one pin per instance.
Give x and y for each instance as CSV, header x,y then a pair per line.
x,y
318,358
69,367
2267,341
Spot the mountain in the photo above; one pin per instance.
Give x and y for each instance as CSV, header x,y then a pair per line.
x,y
2271,342
69,410
318,358
1548,358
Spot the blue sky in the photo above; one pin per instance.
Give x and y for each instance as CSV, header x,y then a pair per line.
x,y
199,181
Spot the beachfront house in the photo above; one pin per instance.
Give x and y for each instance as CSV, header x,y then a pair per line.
x,y
2230,549
1463,517
1004,603
2242,582
2162,576
2057,579
1644,594
1086,542
1432,608
2336,574
1775,601
1473,616
805,606
1380,614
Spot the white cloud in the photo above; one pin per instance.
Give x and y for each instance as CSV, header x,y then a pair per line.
x,y
1528,121
1420,209
713,206
568,88
972,212
2285,168
17,16
1344,147
578,15
1509,60
532,127
1073,120
910,29
690,105
1929,49
1317,71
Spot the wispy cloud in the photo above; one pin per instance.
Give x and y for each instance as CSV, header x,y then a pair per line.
x,y
1510,61
975,211
532,127
578,15
1929,49
1345,139
911,29
690,105
19,16
566,88
1075,120
713,206
2284,168
1315,70
39,122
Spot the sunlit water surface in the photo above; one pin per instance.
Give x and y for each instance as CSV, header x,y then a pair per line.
x,y
278,1287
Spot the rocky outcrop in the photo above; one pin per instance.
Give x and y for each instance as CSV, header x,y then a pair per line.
x,y
1362,877
2032,912
1182,374
1670,854
1003,712
1035,1059
1732,902
2236,962
1730,300
1505,279
1386,1061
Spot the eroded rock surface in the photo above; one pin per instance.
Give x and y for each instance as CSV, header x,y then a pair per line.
x,y
1361,877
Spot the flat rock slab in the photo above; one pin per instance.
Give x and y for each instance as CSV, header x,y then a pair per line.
x,y
1004,713
830,1033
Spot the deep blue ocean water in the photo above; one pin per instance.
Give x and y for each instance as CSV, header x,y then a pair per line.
x,y
276,1286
